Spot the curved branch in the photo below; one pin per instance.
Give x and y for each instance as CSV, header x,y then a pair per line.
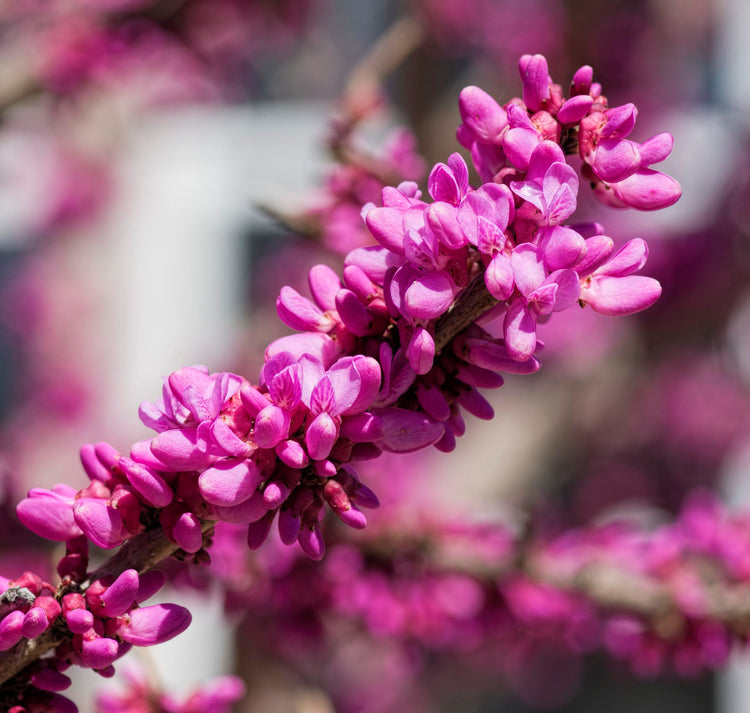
x,y
471,304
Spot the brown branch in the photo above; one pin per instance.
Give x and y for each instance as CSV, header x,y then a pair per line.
x,y
142,553
471,304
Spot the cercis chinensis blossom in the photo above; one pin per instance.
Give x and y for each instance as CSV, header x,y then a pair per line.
x,y
387,357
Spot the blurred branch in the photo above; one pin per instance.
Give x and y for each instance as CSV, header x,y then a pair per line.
x,y
389,51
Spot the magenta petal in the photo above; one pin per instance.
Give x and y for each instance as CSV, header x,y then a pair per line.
x,y
312,543
154,624
581,82
434,403
147,482
598,250
100,522
429,296
271,426
545,154
323,397
11,629
34,623
542,299
648,190
362,428
187,533
99,652
228,441
499,277
50,679
289,526
387,227
229,482
257,531
355,315
528,269
374,261
520,331
620,295
246,512
490,239
561,246
630,258
460,170
320,436
275,493
442,221
407,431
421,351
442,185
489,355
620,121
560,189
316,344
476,404
292,454
574,109
535,76
94,468
358,282
120,595
149,584
656,149
299,313
364,497
252,400
325,468
370,377
481,113
346,382
48,515
519,144
181,449
568,288
616,159
353,517
324,284
474,375
79,621
140,452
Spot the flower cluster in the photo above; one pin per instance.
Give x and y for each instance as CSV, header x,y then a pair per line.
x,y
91,627
502,139
388,357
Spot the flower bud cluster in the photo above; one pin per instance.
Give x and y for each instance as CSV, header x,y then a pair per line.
x,y
94,625
502,139
387,358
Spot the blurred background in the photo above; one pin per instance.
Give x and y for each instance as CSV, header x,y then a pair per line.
x,y
166,166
